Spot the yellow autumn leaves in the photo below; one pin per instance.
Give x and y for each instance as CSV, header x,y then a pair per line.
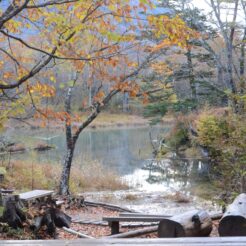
x,y
172,31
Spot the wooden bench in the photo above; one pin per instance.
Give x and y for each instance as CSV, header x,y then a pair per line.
x,y
35,194
114,222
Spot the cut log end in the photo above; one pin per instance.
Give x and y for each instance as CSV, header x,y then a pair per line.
x,y
168,229
233,223
232,226
195,223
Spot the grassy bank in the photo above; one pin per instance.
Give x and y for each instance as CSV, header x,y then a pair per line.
x,y
104,120
23,175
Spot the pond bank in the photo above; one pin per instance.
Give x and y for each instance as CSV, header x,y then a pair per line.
x,y
104,120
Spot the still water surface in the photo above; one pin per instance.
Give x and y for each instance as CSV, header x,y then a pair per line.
x,y
127,151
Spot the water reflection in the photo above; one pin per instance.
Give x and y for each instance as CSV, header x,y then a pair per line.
x,y
126,151
122,150
172,174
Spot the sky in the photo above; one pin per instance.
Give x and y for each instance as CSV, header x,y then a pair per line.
x,y
226,14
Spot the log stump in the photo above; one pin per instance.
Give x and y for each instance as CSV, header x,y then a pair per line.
x,y
196,223
233,222
47,214
12,213
42,213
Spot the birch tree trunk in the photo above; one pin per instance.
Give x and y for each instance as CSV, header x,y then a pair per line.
x,y
70,144
65,176
228,36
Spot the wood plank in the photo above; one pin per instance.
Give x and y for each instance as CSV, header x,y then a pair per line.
x,y
142,219
26,196
143,215
210,241
214,216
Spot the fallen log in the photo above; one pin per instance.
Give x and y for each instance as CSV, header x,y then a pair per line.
x,y
43,147
195,223
233,222
135,233
79,234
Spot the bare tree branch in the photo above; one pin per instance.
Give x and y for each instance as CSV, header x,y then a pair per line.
x,y
97,107
50,3
9,55
12,11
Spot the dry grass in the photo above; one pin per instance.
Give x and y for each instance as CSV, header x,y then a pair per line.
x,y
131,197
96,177
106,119
23,175
103,120
178,197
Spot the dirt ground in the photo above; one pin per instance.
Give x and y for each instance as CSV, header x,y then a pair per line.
x,y
85,213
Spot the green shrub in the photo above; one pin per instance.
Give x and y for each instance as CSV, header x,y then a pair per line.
x,y
179,136
225,137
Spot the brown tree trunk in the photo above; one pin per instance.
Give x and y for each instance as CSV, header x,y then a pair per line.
x,y
191,75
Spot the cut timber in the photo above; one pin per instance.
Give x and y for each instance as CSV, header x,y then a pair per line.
x,y
196,223
12,213
37,223
233,223
50,217
61,219
135,233
79,234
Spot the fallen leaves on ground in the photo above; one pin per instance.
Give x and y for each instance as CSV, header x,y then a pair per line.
x,y
85,213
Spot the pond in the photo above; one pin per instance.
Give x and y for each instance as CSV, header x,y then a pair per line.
x,y
127,151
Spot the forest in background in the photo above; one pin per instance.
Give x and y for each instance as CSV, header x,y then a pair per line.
x,y
70,60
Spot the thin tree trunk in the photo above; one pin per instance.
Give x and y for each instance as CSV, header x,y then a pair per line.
x,y
228,39
191,75
242,57
126,102
64,181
